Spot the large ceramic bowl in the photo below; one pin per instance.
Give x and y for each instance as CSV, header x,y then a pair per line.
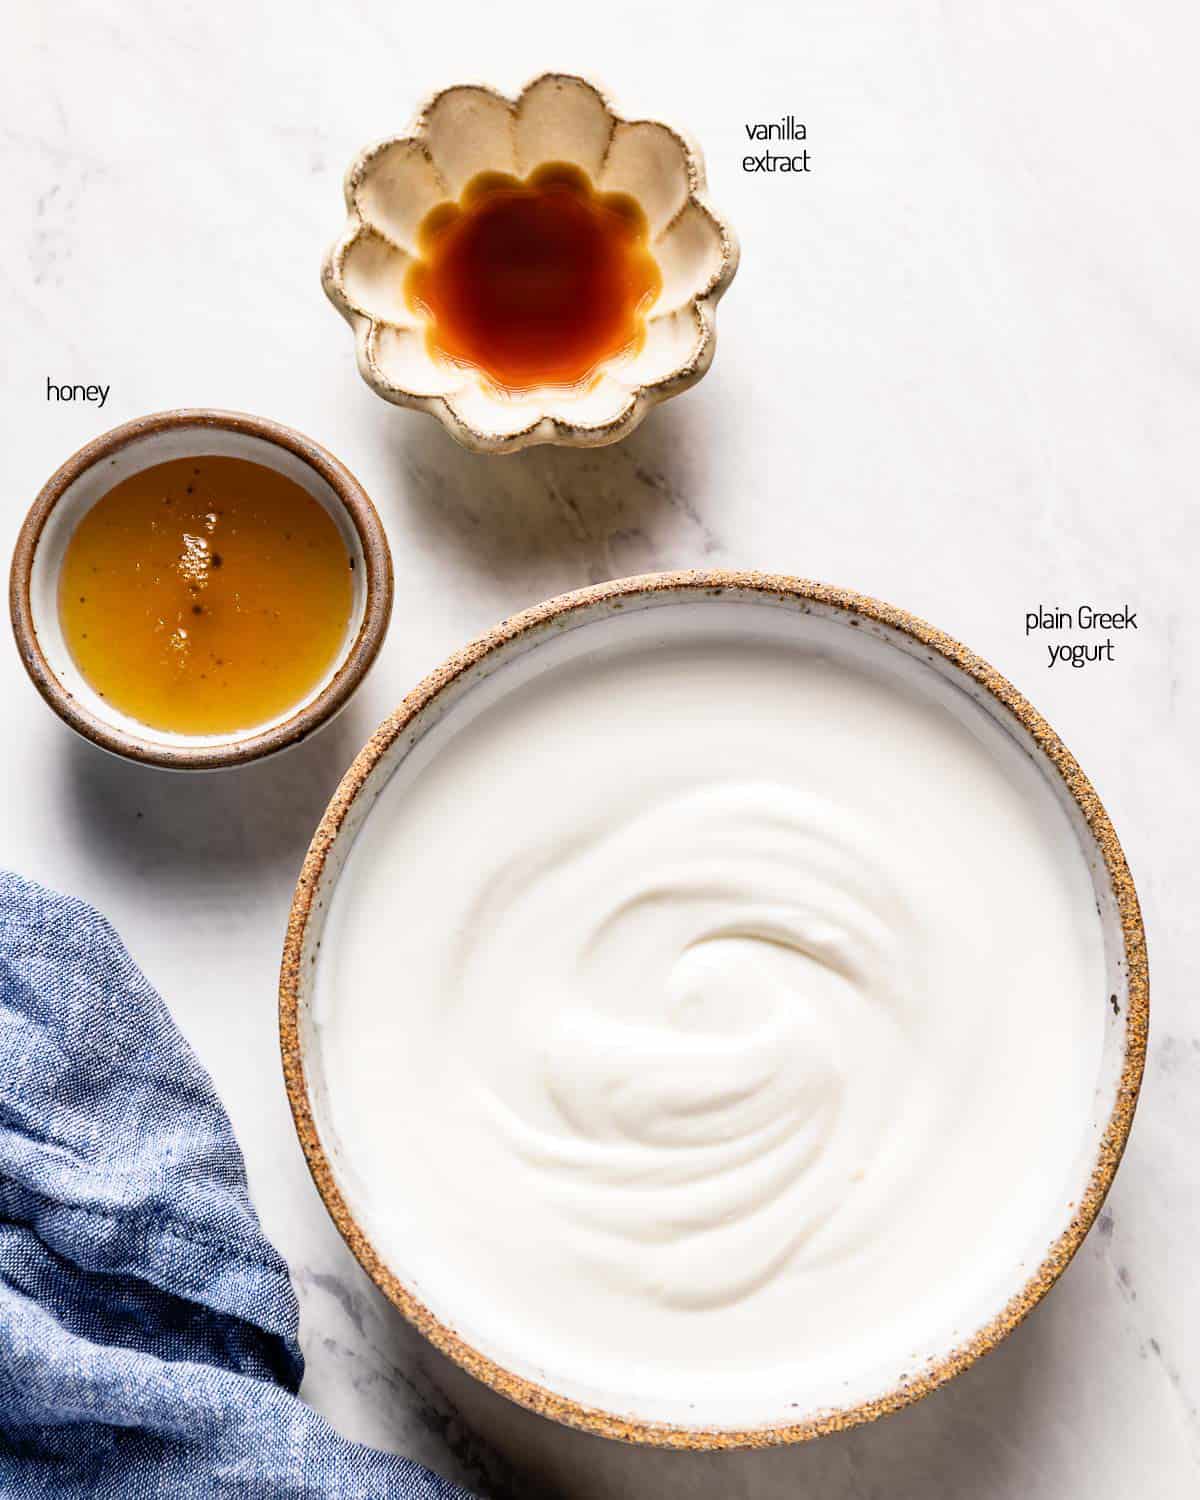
x,y
87,476
466,130
1016,1267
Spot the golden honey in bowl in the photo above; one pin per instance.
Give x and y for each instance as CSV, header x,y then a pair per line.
x,y
535,282
205,595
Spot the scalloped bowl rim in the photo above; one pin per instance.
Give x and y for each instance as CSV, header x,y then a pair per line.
x,y
544,428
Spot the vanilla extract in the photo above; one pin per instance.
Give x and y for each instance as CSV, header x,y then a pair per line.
x,y
535,282
787,128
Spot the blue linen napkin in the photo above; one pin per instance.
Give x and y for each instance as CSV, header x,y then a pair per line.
x,y
147,1327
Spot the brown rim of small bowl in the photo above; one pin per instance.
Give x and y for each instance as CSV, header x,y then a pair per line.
x,y
1112,1144
252,746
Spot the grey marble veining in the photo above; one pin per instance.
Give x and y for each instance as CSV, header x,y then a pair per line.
x,y
959,368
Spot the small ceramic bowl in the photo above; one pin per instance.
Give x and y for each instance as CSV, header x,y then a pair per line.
x,y
862,1383
90,474
470,129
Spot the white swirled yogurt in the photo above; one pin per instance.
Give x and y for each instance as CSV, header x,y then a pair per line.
x,y
709,1016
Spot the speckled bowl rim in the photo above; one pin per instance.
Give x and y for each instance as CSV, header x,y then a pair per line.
x,y
1112,1144
237,751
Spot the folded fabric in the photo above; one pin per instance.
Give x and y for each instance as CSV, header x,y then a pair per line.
x,y
147,1327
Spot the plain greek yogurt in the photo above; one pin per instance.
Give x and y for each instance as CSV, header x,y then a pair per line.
x,y
712,1014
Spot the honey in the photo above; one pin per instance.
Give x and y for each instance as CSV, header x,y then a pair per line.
x,y
534,283
205,595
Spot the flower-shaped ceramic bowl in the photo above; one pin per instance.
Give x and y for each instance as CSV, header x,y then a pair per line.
x,y
464,131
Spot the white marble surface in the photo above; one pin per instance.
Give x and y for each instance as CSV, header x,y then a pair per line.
x,y
959,369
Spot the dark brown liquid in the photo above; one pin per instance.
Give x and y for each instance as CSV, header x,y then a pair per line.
x,y
534,283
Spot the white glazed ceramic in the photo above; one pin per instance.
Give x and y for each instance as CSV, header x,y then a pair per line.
x,y
1004,1286
469,129
138,445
